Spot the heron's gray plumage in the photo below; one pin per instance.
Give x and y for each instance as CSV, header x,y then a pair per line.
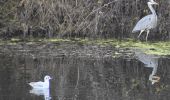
x,y
148,22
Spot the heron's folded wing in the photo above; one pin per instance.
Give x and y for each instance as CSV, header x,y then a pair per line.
x,y
143,23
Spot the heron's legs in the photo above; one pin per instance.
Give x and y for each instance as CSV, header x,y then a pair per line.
x,y
147,35
141,33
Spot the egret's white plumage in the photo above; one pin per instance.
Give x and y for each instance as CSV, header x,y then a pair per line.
x,y
41,84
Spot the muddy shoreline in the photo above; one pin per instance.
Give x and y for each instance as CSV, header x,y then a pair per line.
x,y
65,49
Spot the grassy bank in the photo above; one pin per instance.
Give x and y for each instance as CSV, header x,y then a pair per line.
x,y
79,18
156,48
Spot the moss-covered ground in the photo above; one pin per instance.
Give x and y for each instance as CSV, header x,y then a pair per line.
x,y
156,48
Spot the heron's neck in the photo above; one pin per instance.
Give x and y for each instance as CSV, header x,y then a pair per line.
x,y
151,8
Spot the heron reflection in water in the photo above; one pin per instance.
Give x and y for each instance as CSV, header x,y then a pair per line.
x,y
150,61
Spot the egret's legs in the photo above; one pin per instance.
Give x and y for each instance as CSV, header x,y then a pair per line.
x,y
141,33
147,35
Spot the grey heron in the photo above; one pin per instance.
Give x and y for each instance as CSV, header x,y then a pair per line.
x,y
148,22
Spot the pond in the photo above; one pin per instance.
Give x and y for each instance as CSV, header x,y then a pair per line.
x,y
82,73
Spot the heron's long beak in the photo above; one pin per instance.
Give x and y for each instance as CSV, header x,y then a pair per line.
x,y
156,3
154,79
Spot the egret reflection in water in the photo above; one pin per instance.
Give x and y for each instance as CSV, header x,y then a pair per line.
x,y
150,61
39,92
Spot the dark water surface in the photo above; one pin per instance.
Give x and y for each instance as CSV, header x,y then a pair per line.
x,y
83,77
